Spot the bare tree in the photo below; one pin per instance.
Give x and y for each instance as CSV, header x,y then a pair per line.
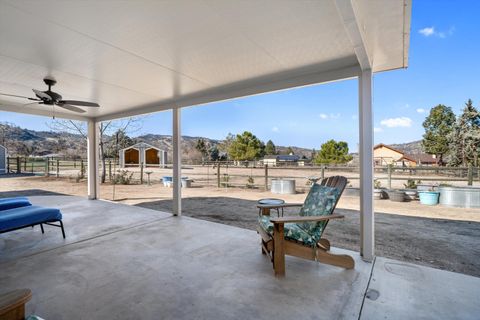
x,y
107,130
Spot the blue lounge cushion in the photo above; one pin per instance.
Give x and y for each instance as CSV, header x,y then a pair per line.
x,y
10,203
25,216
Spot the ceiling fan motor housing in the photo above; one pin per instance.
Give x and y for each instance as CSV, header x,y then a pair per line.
x,y
49,81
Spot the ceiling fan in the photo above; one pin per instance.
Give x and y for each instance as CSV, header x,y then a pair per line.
x,y
54,99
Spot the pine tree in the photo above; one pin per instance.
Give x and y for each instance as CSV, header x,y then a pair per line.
x,y
465,138
270,148
438,125
332,152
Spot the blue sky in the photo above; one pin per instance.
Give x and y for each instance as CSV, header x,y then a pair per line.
x,y
443,68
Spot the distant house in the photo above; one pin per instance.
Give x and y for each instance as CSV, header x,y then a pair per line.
x,y
280,160
142,153
3,160
384,155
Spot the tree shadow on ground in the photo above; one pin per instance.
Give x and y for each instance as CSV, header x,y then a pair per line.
x,y
439,243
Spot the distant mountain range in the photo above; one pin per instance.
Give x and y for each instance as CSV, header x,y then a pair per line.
x,y
20,141
413,148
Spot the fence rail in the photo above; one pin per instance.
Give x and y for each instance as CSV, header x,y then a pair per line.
x,y
229,173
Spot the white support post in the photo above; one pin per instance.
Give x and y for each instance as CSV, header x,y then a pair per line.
x,y
177,163
365,118
92,155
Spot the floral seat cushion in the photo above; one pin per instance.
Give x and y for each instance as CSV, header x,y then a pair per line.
x,y
320,201
291,231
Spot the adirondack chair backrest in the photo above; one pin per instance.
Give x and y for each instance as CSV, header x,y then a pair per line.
x,y
321,200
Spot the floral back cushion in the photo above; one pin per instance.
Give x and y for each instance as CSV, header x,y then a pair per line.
x,y
320,201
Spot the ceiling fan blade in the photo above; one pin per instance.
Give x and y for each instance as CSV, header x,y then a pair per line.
x,y
14,95
71,108
80,103
28,104
42,94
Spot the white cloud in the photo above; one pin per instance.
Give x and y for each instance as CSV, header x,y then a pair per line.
x,y
377,129
430,31
324,116
396,122
421,110
275,129
427,32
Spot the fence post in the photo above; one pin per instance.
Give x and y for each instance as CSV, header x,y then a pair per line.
x,y
19,167
470,175
110,169
58,168
82,168
25,165
141,173
8,164
32,165
266,177
218,174
389,174
322,174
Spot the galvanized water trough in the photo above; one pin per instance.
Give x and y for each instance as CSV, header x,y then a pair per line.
x,y
283,186
463,197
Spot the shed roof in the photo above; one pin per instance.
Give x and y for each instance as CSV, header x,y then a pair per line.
x,y
135,57
141,145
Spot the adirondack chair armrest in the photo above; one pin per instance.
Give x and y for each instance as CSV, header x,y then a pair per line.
x,y
275,206
282,220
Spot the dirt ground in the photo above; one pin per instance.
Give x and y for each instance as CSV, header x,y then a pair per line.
x,y
440,237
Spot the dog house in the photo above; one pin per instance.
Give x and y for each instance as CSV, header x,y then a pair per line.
x,y
142,153
3,160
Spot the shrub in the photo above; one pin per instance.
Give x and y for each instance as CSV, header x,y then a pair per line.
x,y
225,179
250,182
123,177
411,184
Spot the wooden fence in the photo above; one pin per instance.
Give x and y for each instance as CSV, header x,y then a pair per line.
x,y
231,174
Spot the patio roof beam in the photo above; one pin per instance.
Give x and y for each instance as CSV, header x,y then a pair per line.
x,y
355,31
280,81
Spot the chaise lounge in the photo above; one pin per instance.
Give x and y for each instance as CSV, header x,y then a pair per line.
x,y
19,213
11,203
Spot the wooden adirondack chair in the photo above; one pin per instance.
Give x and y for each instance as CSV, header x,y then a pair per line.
x,y
300,236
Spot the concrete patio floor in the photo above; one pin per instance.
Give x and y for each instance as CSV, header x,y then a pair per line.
x,y
124,262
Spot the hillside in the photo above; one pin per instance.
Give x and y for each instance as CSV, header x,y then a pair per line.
x,y
20,141
414,147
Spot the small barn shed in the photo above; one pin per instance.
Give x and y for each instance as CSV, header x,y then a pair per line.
x,y
3,160
142,153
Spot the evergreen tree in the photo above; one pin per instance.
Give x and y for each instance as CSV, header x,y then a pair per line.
x,y
438,125
465,138
333,152
245,147
201,146
270,148
214,153
290,150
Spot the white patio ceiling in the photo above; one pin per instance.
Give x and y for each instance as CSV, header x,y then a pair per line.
x,y
135,57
